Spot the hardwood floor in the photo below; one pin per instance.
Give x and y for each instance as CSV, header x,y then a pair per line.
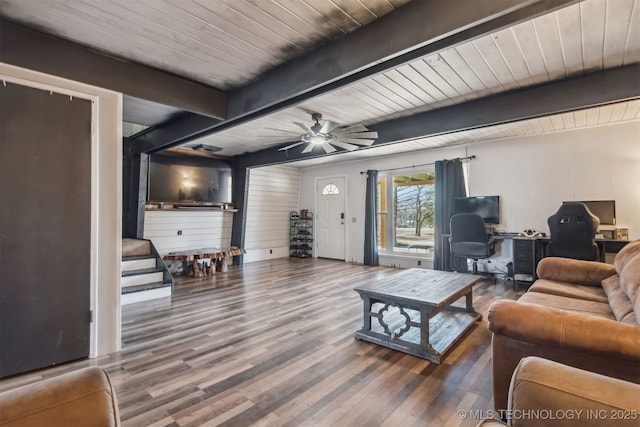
x,y
271,344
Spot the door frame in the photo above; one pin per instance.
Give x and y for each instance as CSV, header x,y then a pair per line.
x,y
346,212
106,106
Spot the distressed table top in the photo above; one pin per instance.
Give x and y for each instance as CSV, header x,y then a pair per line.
x,y
432,287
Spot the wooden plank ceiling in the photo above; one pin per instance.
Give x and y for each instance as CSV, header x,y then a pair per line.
x,y
227,44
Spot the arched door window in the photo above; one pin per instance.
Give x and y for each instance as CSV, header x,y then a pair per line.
x,y
330,190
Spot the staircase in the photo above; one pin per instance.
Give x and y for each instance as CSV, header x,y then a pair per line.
x,y
144,275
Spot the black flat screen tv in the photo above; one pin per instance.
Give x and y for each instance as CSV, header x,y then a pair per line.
x,y
177,179
605,210
488,207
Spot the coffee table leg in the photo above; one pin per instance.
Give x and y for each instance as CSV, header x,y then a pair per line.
x,y
424,330
470,301
366,314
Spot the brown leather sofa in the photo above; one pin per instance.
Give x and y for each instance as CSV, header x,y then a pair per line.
x,y
584,314
548,394
83,398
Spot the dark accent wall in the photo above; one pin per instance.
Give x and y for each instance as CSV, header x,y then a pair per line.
x,y
45,228
240,191
135,169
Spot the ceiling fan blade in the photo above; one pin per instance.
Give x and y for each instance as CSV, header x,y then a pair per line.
x,y
356,141
351,129
328,148
361,135
303,126
290,146
307,149
344,145
328,126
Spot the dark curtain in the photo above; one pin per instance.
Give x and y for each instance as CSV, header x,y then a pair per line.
x,y
449,184
371,219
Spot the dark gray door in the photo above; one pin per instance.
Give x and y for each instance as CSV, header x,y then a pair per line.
x,y
45,228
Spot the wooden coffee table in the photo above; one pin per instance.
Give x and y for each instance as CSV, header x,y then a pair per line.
x,y
412,311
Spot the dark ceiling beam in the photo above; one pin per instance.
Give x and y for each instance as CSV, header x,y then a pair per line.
x,y
190,125
23,47
408,33
571,94
415,30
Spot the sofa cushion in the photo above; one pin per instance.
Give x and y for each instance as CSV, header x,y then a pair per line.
x,y
630,319
595,308
574,271
630,277
82,398
619,302
583,292
544,386
636,307
610,283
629,251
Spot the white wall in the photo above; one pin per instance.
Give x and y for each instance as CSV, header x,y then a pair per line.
x,y
106,200
532,176
198,228
356,185
273,194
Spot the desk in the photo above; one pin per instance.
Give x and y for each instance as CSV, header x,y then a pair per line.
x,y
528,251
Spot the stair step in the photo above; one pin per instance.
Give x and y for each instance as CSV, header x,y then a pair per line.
x,y
141,271
141,277
146,295
145,287
137,263
132,247
134,257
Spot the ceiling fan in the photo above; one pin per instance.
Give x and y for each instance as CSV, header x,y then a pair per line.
x,y
329,135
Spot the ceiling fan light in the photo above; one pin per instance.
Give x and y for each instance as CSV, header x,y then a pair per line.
x,y
317,139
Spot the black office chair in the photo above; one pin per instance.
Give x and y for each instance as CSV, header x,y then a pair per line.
x,y
573,232
469,239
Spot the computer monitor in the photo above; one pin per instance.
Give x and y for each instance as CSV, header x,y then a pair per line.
x,y
488,207
605,210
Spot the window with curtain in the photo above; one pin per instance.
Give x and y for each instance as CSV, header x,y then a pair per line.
x,y
406,204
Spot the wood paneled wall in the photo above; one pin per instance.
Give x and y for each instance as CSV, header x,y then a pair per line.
x,y
273,194
200,229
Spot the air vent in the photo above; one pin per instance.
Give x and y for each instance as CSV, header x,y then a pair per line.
x,y
206,148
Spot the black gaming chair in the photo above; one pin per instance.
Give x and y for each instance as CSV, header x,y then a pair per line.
x,y
573,231
469,238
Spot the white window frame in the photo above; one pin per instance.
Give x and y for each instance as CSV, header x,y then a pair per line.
x,y
390,209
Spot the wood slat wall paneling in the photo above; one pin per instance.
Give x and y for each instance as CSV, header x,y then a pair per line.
x,y
200,229
273,194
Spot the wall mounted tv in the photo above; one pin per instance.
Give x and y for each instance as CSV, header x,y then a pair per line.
x,y
185,179
605,210
488,207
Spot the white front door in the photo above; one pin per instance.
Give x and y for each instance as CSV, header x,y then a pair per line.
x,y
330,218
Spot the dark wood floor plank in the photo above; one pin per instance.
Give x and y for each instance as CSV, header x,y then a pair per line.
x,y
271,344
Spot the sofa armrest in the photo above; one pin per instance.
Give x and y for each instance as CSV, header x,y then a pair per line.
x,y
574,271
577,397
83,398
564,329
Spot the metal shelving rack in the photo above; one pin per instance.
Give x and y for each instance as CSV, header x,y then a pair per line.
x,y
301,234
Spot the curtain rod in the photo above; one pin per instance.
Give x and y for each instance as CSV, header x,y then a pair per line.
x,y
468,158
